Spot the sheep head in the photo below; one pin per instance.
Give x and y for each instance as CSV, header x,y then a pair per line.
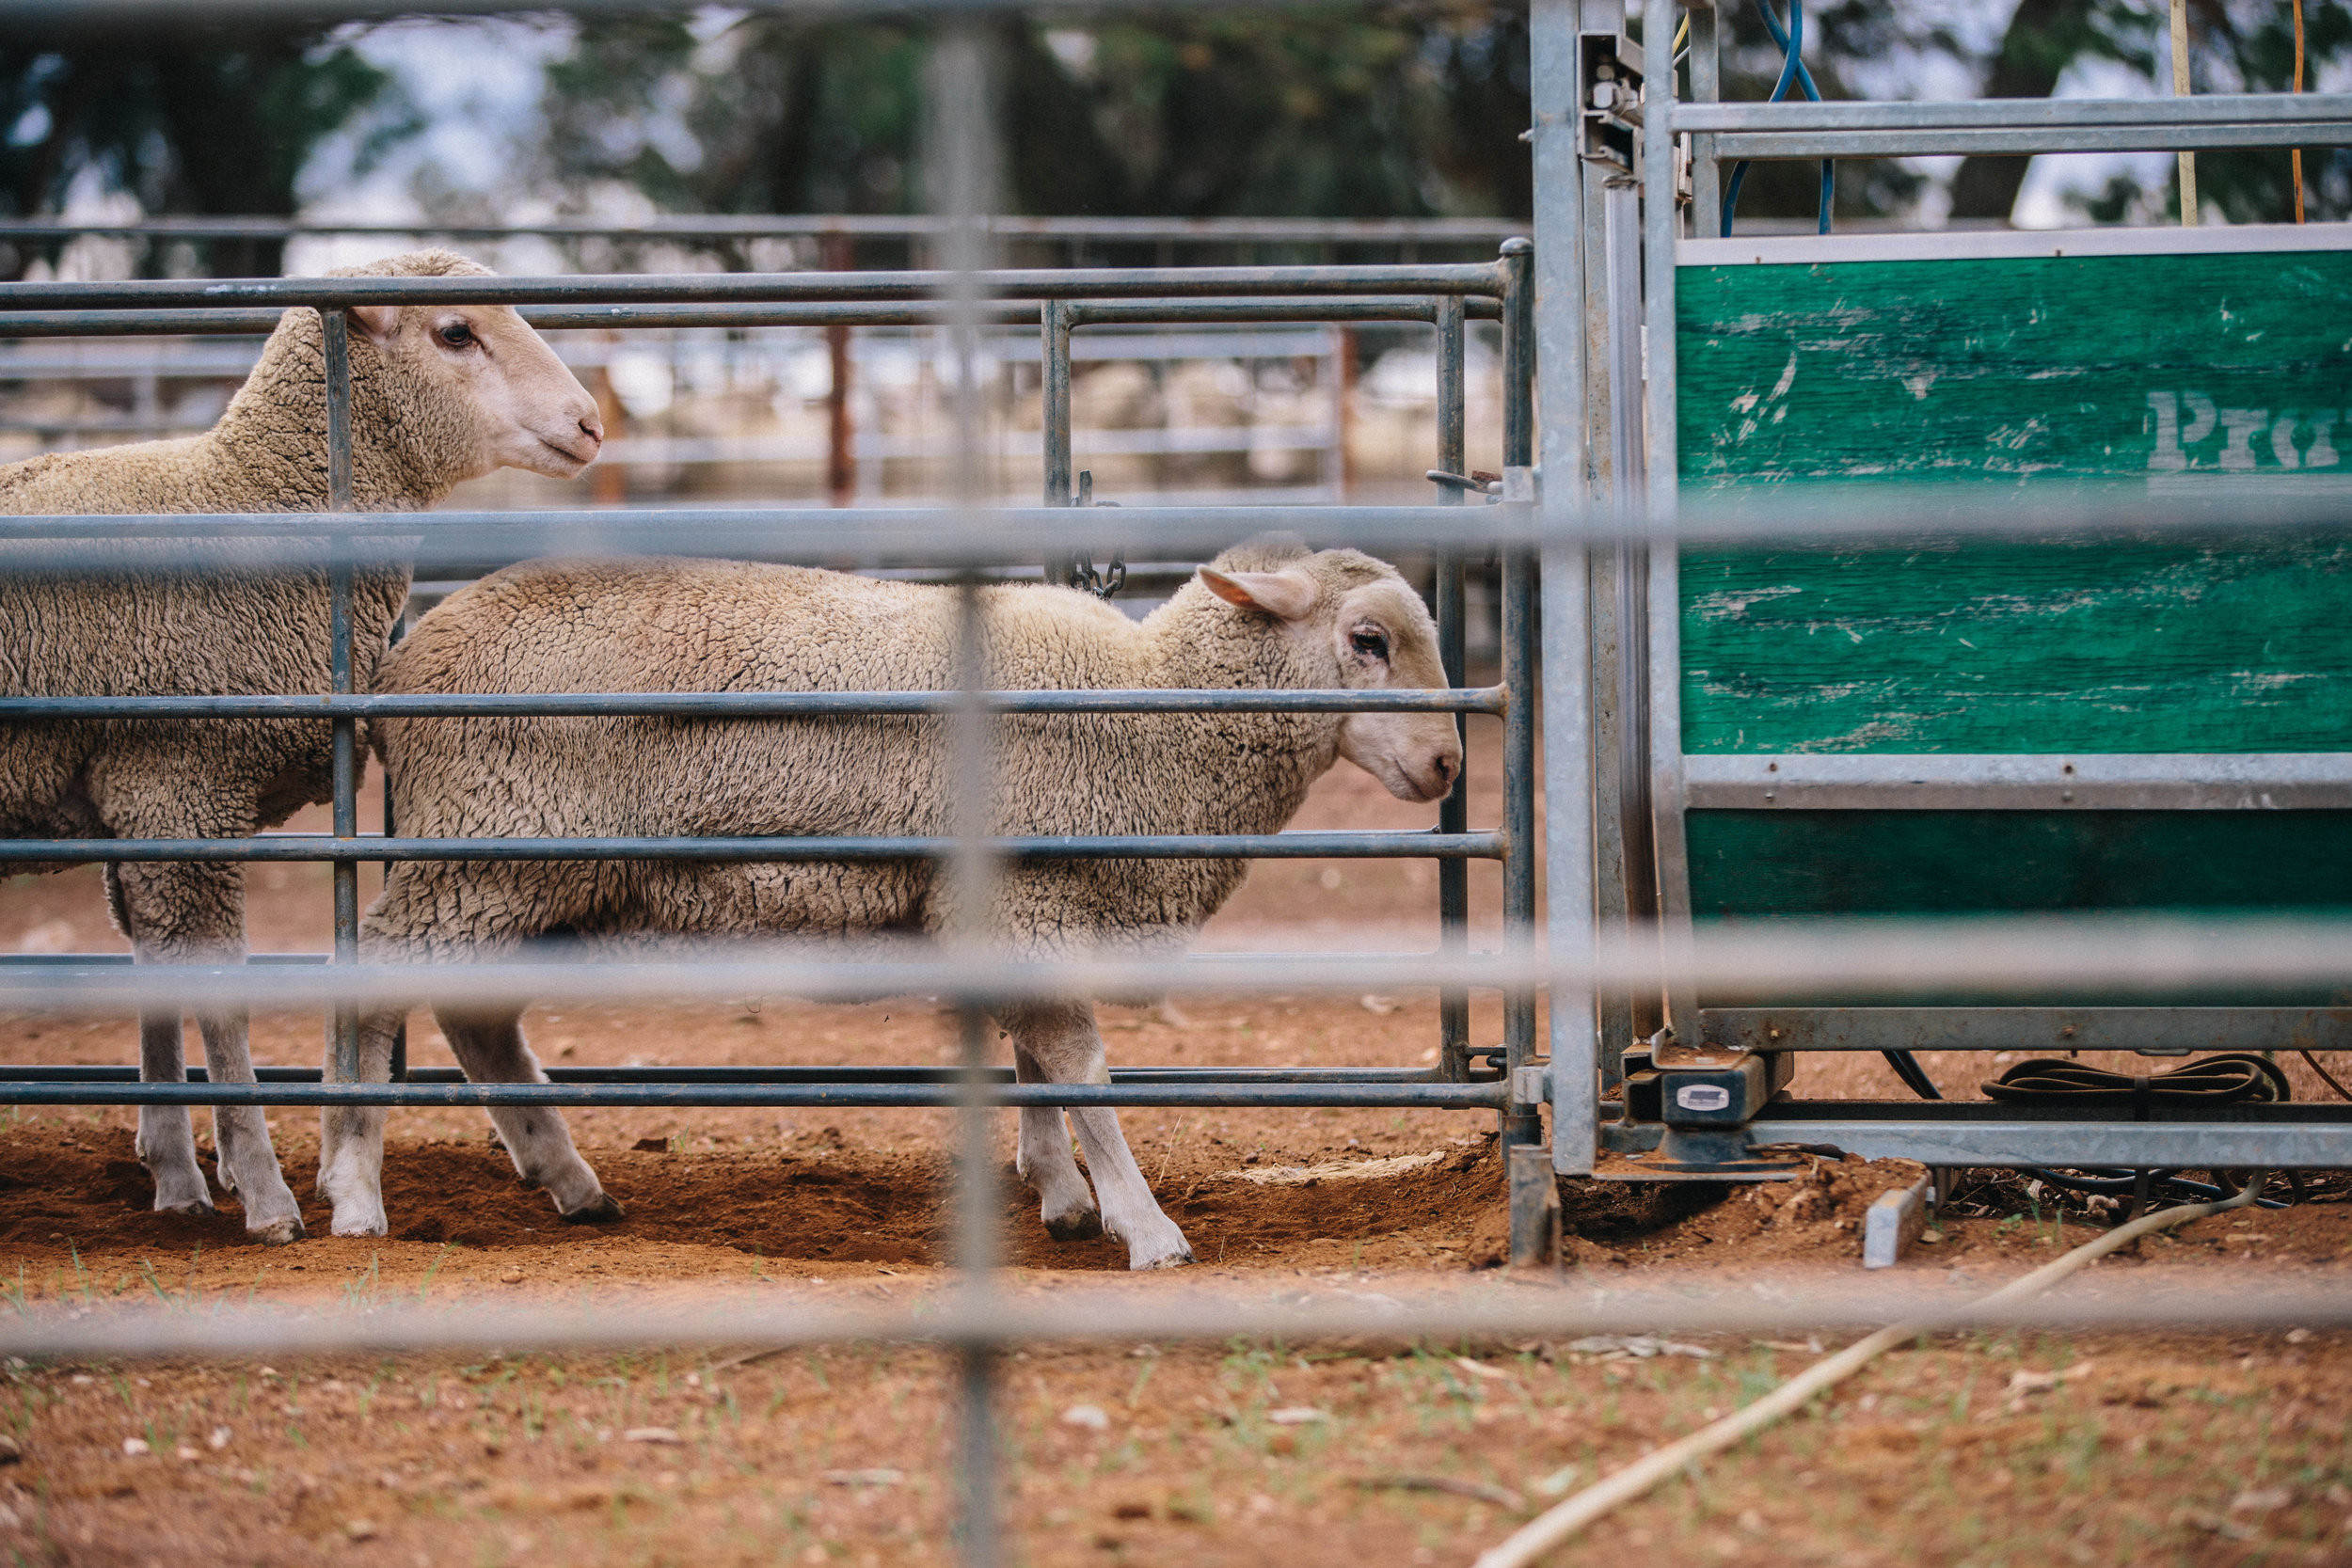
x,y
1355,622
473,384
439,394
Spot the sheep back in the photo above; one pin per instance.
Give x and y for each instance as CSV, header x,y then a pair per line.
x,y
728,626
205,618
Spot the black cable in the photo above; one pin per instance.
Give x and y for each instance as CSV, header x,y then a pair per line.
x,y
1914,1077
2233,1076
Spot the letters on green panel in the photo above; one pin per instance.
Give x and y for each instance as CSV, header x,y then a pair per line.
x,y
2115,366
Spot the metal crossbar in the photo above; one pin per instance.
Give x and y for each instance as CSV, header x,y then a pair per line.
x,y
1489,280
707,226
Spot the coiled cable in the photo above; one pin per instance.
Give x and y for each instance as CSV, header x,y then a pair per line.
x,y
1792,69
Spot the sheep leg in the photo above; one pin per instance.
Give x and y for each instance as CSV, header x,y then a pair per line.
x,y
1045,1163
491,1048
246,1159
1061,1040
166,1141
195,914
351,1138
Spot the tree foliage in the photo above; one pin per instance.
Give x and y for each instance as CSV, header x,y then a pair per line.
x,y
204,119
1311,112
1403,110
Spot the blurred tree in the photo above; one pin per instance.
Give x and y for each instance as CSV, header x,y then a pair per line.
x,y
200,119
1855,49
2044,38
2234,46
1332,114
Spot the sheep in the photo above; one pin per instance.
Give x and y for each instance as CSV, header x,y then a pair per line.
x,y
1265,614
439,394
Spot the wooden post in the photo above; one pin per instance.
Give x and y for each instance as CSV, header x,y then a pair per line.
x,y
2295,157
2179,89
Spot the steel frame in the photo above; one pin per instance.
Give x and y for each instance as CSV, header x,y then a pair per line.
x,y
1444,295
1588,279
1405,233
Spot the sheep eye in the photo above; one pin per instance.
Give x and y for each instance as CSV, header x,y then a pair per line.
x,y
1371,643
457,334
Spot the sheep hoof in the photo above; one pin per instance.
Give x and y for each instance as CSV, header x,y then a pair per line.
x,y
1079,1224
278,1232
603,1211
1166,1260
195,1208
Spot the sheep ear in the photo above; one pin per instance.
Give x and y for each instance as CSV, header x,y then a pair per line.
x,y
1287,595
375,323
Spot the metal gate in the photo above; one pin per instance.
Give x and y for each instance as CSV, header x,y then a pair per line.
x,y
1447,296
1729,784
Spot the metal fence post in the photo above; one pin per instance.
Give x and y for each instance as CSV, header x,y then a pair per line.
x,y
1522,1121
1630,566
962,148
1707,86
1570,718
1054,328
337,325
1661,231
400,1033
1454,811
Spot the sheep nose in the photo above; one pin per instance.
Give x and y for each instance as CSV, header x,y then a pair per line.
x,y
592,427
1448,766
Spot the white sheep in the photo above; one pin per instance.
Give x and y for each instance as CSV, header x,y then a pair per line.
x,y
1268,614
439,394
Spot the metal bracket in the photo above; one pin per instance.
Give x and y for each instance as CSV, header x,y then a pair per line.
x,y
1532,1086
1478,481
1610,94
1103,584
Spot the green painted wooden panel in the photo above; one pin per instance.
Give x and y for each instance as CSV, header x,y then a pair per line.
x,y
1800,863
2119,370
1751,864
1986,646
1911,864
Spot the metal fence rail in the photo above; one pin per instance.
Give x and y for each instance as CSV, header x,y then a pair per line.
x,y
1170,1315
1077,235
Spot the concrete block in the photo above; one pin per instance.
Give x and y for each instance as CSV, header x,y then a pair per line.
x,y
1892,1222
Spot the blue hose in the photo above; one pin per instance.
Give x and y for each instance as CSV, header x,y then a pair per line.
x,y
1792,69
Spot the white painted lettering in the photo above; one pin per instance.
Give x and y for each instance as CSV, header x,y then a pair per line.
x,y
2238,426
2165,409
2282,441
2320,454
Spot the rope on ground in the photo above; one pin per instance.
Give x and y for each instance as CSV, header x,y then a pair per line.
x,y
1556,1525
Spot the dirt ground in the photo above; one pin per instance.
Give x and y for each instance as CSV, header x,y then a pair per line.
x,y
2151,1447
